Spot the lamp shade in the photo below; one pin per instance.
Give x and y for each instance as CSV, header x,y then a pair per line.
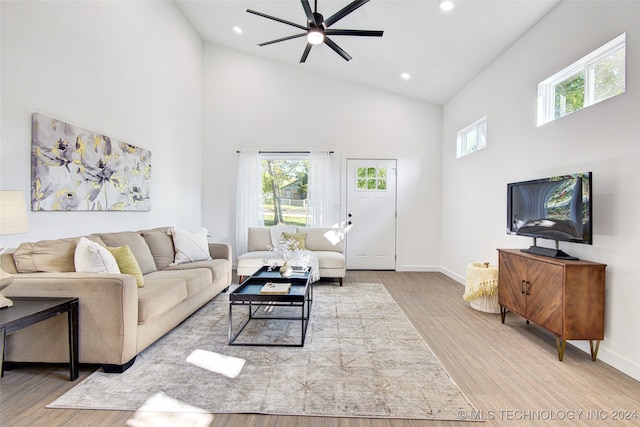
x,y
13,213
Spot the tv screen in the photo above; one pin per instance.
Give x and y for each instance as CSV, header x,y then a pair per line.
x,y
556,208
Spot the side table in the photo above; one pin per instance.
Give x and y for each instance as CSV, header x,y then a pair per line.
x,y
27,311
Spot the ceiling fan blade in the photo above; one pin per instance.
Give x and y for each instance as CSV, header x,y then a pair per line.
x,y
307,10
337,48
277,19
344,12
282,39
306,53
364,33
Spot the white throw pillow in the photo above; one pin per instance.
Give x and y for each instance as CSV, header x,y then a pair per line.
x,y
91,257
190,246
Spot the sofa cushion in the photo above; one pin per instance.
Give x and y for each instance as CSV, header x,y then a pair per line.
x,y
330,260
293,238
48,256
127,263
161,246
196,279
259,238
137,245
190,246
256,258
324,239
160,293
217,267
91,257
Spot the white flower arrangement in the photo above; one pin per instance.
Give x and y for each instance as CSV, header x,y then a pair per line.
x,y
288,251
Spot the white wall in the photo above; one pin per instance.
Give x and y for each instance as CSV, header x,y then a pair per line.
x,y
601,139
132,70
253,103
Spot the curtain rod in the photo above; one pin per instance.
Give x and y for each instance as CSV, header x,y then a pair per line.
x,y
284,152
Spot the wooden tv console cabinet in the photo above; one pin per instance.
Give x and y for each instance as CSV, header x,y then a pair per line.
x,y
564,297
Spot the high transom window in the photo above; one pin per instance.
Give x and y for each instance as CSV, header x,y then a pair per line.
x,y
472,138
597,76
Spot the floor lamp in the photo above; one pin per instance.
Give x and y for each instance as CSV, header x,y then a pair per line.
x,y
13,220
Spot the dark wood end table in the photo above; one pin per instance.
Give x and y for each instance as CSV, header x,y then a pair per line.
x,y
27,311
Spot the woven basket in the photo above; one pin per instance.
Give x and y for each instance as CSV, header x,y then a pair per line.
x,y
487,304
482,274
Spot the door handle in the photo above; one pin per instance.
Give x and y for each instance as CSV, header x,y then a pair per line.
x,y
523,287
526,288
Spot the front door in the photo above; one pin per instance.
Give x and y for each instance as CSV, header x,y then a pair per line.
x,y
371,214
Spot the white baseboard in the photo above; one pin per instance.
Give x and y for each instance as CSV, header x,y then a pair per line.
x,y
419,268
612,359
453,275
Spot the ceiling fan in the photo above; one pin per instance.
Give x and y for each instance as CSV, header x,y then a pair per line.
x,y
317,29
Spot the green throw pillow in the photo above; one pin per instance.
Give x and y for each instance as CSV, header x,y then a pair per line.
x,y
127,263
296,237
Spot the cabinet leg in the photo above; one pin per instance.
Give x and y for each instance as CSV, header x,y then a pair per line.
x,y
560,345
503,313
594,349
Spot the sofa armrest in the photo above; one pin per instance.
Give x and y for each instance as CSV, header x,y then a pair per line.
x,y
107,315
220,251
7,263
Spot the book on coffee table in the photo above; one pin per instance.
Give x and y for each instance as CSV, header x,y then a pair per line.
x,y
275,288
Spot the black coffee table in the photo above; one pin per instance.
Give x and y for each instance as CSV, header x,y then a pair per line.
x,y
27,311
266,307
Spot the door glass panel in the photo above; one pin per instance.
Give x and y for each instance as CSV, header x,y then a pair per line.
x,y
371,178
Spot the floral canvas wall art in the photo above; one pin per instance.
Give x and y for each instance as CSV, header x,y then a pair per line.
x,y
80,170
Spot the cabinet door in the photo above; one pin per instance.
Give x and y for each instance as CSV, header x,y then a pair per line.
x,y
511,275
544,289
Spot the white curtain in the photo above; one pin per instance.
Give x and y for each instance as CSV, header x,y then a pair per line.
x,y
319,189
249,210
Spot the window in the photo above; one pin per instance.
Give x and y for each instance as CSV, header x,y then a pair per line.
x,y
598,76
371,178
472,138
284,190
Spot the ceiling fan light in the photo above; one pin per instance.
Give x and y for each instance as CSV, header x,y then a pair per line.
x,y
446,5
315,37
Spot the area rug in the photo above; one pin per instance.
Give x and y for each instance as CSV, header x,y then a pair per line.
x,y
362,358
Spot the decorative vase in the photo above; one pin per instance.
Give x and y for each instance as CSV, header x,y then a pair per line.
x,y
286,271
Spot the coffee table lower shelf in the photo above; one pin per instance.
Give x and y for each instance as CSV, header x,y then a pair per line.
x,y
254,308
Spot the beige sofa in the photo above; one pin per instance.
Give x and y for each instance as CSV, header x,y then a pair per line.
x,y
326,243
117,319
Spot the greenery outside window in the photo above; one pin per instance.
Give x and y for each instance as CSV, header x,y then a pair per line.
x,y
284,190
472,138
597,76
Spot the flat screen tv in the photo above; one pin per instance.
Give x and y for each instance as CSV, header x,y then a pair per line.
x,y
556,208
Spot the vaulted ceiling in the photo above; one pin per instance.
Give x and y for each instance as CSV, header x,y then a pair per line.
x,y
441,51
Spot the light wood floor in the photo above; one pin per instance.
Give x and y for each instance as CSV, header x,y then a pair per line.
x,y
509,372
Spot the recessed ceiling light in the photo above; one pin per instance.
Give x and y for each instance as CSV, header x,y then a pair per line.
x,y
237,29
405,76
446,5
